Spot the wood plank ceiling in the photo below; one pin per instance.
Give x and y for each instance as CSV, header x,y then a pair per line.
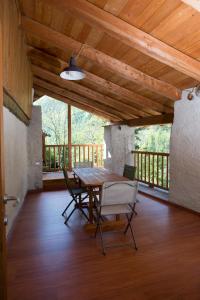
x,y
137,55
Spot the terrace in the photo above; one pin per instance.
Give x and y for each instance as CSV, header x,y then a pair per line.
x,y
140,67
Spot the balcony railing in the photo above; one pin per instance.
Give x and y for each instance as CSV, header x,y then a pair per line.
x,y
152,168
56,157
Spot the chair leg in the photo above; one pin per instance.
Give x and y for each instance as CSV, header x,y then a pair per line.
x,y
77,205
131,229
127,226
135,212
63,213
84,214
84,198
67,219
74,199
97,226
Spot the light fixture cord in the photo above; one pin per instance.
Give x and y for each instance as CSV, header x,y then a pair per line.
x,y
79,51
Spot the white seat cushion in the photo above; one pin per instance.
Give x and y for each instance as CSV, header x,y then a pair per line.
x,y
115,209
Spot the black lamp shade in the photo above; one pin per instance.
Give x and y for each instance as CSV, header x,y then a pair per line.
x,y
72,72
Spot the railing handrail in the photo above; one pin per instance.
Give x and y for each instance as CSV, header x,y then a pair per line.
x,y
151,152
63,145
57,156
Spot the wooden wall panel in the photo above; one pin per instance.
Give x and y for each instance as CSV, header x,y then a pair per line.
x,y
16,68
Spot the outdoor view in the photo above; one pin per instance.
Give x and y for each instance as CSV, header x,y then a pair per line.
x,y
88,128
88,140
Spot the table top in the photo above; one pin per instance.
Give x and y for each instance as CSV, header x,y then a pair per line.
x,y
96,176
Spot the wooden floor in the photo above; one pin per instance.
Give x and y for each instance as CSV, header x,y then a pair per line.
x,y
50,261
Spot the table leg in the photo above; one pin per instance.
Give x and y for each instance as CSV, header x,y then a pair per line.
x,y
117,217
90,192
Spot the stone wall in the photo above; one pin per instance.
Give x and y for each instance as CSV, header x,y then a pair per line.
x,y
119,142
185,154
35,150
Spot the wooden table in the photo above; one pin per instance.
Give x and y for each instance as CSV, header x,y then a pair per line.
x,y
93,178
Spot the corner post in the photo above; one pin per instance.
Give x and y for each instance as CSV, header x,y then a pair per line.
x,y
69,138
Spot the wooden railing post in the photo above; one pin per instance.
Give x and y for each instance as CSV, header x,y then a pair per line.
x,y
69,138
56,155
152,168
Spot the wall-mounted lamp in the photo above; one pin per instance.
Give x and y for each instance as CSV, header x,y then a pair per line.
x,y
195,90
190,96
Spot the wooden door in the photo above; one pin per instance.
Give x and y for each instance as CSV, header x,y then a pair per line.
x,y
3,293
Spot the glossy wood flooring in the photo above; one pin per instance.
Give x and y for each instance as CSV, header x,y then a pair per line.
x,y
49,261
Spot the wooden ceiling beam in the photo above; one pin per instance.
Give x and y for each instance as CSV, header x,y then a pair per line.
x,y
80,99
125,71
131,98
122,109
153,120
45,92
124,95
132,36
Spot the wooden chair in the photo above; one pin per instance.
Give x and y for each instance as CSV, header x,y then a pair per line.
x,y
117,198
76,192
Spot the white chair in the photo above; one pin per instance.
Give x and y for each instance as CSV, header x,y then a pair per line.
x,y
117,198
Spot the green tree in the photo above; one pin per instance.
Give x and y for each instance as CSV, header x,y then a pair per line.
x,y
153,138
86,127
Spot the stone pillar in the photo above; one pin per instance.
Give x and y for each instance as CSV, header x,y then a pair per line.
x,y
34,143
119,142
185,154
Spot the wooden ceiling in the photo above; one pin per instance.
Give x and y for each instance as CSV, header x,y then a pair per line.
x,y
137,55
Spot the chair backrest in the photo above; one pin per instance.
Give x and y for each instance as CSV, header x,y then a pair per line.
x,y
67,180
129,172
83,164
119,192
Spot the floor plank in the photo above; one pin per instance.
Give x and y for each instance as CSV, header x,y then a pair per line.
x,y
47,260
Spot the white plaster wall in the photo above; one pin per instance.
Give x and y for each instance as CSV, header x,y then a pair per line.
x,y
119,141
185,154
35,150
16,162
23,158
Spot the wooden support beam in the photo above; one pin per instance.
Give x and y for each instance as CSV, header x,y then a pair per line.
x,y
122,110
123,70
69,138
132,36
131,98
78,99
154,120
42,91
126,96
3,244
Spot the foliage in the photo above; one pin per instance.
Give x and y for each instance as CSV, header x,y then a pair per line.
x,y
153,138
86,128
54,120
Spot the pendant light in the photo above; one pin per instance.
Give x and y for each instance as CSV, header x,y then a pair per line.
x,y
72,72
